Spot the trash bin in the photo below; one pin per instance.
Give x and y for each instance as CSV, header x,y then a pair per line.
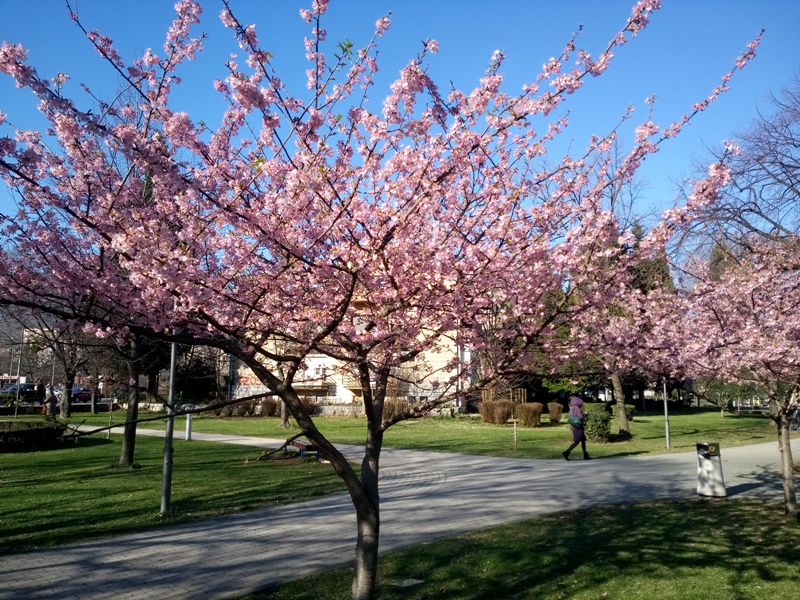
x,y
709,471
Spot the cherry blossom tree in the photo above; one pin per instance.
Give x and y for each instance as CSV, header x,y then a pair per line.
x,y
319,223
744,328
736,319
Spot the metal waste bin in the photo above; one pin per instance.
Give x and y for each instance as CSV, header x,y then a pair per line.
x,y
709,471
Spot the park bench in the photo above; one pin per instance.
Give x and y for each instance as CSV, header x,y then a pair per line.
x,y
304,446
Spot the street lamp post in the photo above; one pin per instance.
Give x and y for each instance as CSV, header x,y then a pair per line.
x,y
19,365
166,481
666,412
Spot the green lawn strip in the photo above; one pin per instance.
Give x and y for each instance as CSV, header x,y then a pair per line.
x,y
468,435
704,549
58,496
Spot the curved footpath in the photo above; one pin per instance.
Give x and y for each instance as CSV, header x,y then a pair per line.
x,y
424,495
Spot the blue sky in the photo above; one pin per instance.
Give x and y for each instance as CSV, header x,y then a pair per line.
x,y
680,57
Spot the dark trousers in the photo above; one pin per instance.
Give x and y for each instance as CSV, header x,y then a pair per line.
x,y
572,447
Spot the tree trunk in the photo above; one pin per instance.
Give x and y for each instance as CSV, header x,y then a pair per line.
x,y
622,416
94,399
66,396
129,435
284,415
363,490
366,565
368,520
787,466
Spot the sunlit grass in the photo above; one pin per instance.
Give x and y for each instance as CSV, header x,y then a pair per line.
x,y
700,549
58,496
468,435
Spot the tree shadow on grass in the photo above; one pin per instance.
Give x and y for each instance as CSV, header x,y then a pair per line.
x,y
665,549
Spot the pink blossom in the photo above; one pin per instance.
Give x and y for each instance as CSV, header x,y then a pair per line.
x,y
645,130
227,18
382,25
568,82
732,147
319,6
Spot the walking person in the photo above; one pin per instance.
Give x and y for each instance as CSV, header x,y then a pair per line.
x,y
576,419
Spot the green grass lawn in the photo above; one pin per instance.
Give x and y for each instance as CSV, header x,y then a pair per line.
x,y
704,549
689,550
469,435
57,496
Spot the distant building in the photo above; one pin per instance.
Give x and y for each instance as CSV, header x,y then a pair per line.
x,y
327,381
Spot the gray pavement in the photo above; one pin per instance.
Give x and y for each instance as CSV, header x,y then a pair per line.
x,y
424,496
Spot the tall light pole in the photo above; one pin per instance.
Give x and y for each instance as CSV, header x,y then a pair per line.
x,y
166,480
19,364
666,412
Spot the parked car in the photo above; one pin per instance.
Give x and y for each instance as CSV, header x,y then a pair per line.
x,y
79,394
27,392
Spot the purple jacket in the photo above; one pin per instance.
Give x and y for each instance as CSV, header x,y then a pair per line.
x,y
575,405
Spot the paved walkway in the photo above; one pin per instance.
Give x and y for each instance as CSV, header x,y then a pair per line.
x,y
424,496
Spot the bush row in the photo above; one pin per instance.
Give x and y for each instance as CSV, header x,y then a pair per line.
x,y
530,413
27,436
267,407
598,416
270,407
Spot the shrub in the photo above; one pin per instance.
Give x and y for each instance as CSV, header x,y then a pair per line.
x,y
393,407
630,410
270,407
244,409
496,411
486,410
29,436
554,410
309,403
597,424
503,411
530,413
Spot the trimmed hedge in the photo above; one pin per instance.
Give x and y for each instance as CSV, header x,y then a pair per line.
x,y
27,436
630,410
496,411
530,413
503,411
597,424
554,410
267,407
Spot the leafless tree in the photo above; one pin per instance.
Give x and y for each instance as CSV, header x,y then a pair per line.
x,y
763,199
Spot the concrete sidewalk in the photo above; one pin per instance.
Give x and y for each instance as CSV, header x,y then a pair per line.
x,y
424,496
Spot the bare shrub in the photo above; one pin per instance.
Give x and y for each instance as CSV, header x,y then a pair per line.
x,y
309,403
530,413
244,409
486,410
270,407
554,410
393,407
503,411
